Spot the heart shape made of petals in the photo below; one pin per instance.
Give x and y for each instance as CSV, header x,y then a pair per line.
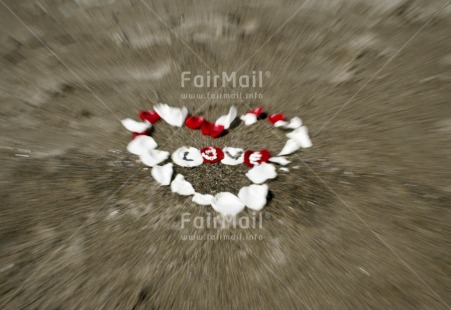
x,y
253,196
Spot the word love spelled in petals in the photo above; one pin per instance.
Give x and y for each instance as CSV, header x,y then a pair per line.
x,y
187,157
173,116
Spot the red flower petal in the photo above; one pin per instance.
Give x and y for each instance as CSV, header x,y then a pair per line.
x,y
211,129
256,111
264,156
150,116
194,122
246,158
136,134
205,128
274,118
212,154
216,130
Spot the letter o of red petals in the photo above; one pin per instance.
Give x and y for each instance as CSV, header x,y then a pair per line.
x,y
212,154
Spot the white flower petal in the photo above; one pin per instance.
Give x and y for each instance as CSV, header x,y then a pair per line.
x,y
284,169
233,156
300,135
187,157
226,120
227,204
203,200
254,196
184,114
172,115
182,187
152,158
259,174
295,122
280,160
162,174
290,147
249,118
141,144
281,124
135,126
